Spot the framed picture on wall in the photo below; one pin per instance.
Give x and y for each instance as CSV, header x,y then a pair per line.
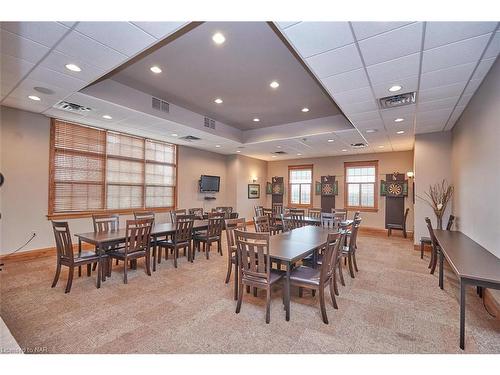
x,y
253,191
317,188
269,188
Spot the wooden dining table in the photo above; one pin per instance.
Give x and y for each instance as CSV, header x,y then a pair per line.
x,y
106,240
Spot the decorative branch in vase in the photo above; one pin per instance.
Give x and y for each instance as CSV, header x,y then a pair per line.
x,y
438,197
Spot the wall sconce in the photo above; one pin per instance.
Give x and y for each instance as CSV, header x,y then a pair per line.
x,y
253,179
410,174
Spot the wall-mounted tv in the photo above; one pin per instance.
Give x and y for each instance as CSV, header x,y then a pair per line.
x,y
209,184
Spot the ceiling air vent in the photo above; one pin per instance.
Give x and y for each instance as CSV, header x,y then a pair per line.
x,y
398,100
358,145
209,123
160,105
279,152
190,138
72,107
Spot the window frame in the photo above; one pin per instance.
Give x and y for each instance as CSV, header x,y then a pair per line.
x,y
82,214
299,167
358,164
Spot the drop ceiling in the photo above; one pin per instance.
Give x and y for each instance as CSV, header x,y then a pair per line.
x,y
355,62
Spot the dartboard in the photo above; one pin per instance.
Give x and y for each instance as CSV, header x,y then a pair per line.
x,y
395,189
327,189
277,189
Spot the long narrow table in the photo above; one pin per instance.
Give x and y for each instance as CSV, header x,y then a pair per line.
x,y
472,263
103,240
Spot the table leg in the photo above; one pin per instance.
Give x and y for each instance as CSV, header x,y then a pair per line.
x,y
287,291
462,314
99,267
236,278
441,271
155,250
79,253
315,258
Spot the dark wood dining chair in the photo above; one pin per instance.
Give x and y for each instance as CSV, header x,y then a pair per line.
x,y
254,266
314,213
318,279
327,220
348,252
213,233
427,240
106,223
181,239
258,210
141,215
67,257
402,226
137,245
197,212
277,209
435,246
232,256
175,213
227,210
274,225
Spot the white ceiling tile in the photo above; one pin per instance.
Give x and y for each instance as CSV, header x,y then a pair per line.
x,y
406,112
364,116
483,68
56,61
46,33
370,124
393,44
472,86
441,92
57,79
337,61
357,95
124,37
357,107
437,104
284,25
440,114
22,48
494,48
13,69
454,117
433,128
465,51
83,48
408,84
311,38
24,103
67,23
405,66
443,77
441,33
367,29
346,81
26,87
464,100
159,29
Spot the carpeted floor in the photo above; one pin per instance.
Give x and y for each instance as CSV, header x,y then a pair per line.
x,y
392,306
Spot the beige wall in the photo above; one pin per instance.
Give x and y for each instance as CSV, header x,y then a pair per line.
x,y
476,165
388,162
432,165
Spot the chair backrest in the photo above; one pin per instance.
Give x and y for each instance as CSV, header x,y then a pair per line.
x,y
298,211
253,255
233,215
286,220
354,234
297,219
327,220
262,223
405,217
451,219
258,210
183,228
333,242
138,235
270,214
431,232
105,222
231,225
144,215
198,212
356,215
314,213
215,226
175,213
216,214
278,208
340,214
64,245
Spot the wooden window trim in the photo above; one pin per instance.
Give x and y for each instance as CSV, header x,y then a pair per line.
x,y
83,214
295,167
368,163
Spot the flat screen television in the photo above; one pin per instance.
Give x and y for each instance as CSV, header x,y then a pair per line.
x,y
209,184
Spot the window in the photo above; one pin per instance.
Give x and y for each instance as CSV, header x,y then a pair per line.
x,y
300,185
361,185
94,170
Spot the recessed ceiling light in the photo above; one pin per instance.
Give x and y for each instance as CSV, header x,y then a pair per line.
x,y
299,154
107,117
218,101
371,131
34,97
73,67
155,69
278,146
273,156
400,132
238,151
218,38
256,119
175,135
395,88
399,119
330,140
305,109
381,146
274,84
217,146
344,150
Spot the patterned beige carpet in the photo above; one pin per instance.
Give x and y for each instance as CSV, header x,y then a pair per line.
x,y
392,306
